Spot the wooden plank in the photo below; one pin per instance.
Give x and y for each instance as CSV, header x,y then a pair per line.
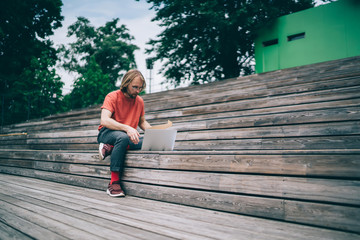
x,y
13,142
276,143
291,77
312,83
60,134
13,146
188,228
28,124
329,165
329,190
295,211
7,232
59,222
73,113
258,88
240,120
99,205
17,163
63,140
315,129
75,145
177,116
88,157
109,227
298,130
13,136
78,169
254,91
91,122
247,134
253,84
136,212
26,223
333,112
322,163
262,103
303,73
299,117
98,117
41,125
269,228
286,143
332,216
82,181
310,189
64,212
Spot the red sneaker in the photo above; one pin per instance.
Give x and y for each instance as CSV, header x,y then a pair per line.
x,y
114,190
105,150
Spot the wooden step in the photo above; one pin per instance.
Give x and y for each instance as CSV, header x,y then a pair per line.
x,y
324,78
340,217
223,97
313,132
129,217
315,214
282,145
339,163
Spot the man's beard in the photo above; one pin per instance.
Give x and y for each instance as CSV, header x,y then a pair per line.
x,y
133,96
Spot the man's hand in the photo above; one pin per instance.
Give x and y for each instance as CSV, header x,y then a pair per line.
x,y
133,135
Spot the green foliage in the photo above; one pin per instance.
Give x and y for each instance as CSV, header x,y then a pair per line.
x,y
110,45
208,40
44,98
99,56
90,88
25,53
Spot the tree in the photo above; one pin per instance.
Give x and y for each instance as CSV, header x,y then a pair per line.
x,y
99,56
25,27
40,88
91,87
207,40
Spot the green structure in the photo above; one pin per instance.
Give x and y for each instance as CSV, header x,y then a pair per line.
x,y
319,34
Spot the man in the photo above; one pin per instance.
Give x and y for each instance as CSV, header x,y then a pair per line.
x,y
122,112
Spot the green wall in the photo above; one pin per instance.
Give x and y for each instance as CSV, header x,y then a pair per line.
x,y
329,32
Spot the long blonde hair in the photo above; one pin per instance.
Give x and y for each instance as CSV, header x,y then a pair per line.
x,y
129,77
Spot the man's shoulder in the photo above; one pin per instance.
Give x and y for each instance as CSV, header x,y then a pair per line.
x,y
114,93
139,99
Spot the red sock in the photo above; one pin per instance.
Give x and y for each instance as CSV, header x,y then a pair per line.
x,y
115,176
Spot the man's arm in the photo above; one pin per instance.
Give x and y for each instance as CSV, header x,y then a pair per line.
x,y
112,124
143,124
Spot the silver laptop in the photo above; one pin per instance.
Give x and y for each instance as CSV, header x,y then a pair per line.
x,y
159,140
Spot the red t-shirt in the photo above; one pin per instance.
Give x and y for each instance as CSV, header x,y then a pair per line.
x,y
124,110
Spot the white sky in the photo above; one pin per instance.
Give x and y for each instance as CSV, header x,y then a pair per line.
x,y
136,16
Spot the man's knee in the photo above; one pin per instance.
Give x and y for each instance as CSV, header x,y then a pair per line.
x,y
122,139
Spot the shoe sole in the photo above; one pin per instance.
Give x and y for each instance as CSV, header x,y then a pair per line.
x,y
101,157
115,195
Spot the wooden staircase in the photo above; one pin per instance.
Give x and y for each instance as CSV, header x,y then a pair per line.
x,y
283,145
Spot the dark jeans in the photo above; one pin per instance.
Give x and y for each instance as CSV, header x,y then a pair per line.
x,y
120,140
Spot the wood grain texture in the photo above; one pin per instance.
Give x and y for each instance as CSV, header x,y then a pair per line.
x,y
282,146
334,216
51,205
